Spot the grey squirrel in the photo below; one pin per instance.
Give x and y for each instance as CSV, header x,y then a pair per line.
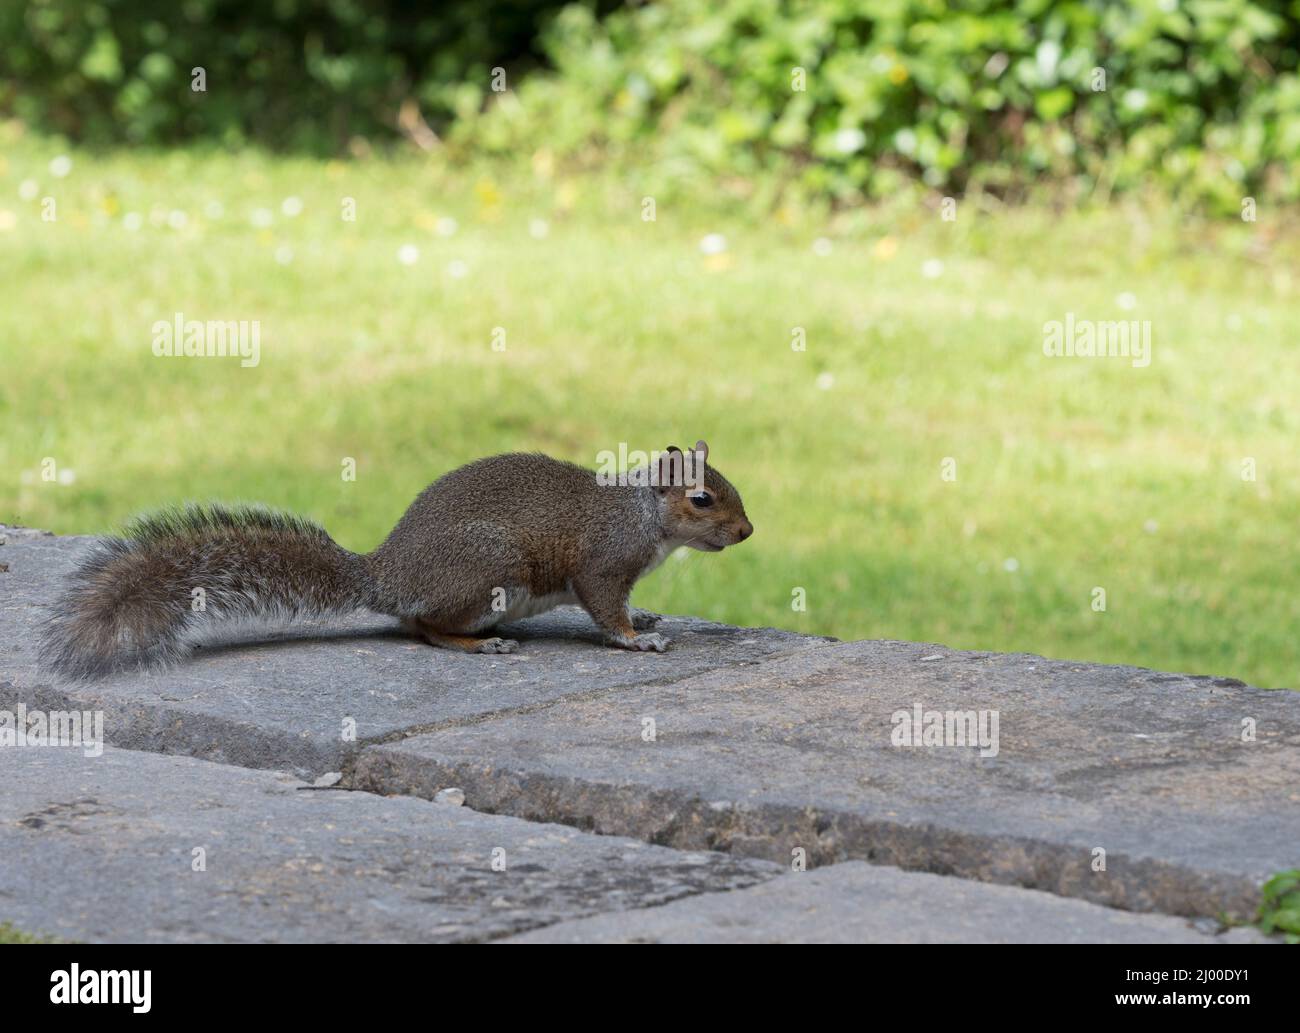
x,y
496,540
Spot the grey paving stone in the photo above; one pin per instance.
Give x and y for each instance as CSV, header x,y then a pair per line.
x,y
765,743
101,849
796,753
283,702
856,902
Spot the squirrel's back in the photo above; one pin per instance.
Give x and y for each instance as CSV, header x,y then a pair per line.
x,y
519,489
520,520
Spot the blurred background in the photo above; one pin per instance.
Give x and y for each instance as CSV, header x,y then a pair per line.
x,y
825,236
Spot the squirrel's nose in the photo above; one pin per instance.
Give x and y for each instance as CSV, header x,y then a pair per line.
x,y
744,530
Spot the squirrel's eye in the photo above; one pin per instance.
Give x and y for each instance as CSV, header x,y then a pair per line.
x,y
702,501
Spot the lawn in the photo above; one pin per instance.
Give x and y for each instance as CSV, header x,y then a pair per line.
x,y
924,342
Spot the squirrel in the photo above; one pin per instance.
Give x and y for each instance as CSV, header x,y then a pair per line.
x,y
496,540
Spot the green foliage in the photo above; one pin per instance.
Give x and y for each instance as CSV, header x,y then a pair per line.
x,y
839,99
847,97
290,73
1279,911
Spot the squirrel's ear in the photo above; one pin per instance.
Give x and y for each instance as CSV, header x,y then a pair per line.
x,y
703,450
670,468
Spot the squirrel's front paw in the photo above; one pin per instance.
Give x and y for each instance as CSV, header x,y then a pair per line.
x,y
650,642
642,620
496,645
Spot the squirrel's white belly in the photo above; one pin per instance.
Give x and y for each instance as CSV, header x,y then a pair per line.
x,y
664,550
523,603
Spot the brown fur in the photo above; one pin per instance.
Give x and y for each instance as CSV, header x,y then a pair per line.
x,y
522,528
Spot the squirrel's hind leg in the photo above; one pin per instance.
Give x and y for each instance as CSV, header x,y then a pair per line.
x,y
463,643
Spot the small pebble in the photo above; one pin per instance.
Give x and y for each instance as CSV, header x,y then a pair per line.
x,y
330,778
455,797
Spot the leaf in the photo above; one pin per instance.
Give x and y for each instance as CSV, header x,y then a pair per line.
x,y
102,62
1054,103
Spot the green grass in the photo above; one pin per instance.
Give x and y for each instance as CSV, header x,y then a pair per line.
x,y
1071,473
8,934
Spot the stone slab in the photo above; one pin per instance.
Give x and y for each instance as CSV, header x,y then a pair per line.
x,y
283,702
856,902
101,849
795,753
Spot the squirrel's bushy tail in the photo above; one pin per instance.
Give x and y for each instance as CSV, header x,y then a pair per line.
x,y
140,599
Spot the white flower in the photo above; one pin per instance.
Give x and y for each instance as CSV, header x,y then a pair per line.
x,y
132,221
1010,564
850,140
177,219
1127,301
457,270
446,226
539,229
60,166
713,244
291,206
28,189
825,381
822,246
408,254
284,254
932,268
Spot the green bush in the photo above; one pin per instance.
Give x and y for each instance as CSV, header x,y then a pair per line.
x,y
839,99
1201,96
1279,909
294,74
